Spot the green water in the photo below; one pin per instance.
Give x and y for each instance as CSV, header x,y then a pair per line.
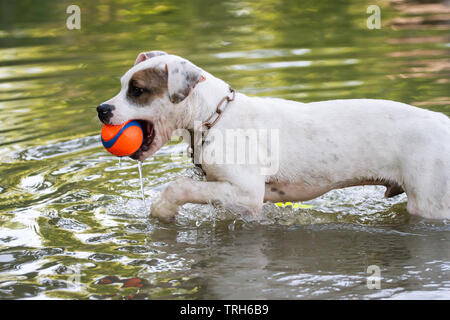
x,y
72,222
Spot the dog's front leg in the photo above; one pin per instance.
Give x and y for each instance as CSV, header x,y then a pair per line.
x,y
247,199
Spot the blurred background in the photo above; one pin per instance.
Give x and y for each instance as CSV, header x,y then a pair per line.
x,y
72,223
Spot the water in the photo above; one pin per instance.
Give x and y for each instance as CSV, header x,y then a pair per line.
x,y
141,182
73,223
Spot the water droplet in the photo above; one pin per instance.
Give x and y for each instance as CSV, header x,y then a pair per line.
x,y
142,183
231,225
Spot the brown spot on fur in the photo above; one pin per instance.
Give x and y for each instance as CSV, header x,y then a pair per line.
x,y
154,83
393,189
178,97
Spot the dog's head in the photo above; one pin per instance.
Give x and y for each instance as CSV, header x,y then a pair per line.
x,y
154,92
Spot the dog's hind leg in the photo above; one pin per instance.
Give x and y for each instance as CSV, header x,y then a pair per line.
x,y
429,194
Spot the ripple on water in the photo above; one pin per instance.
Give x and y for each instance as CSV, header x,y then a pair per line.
x,y
358,205
68,208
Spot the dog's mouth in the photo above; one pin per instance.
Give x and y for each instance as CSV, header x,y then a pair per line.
x,y
149,135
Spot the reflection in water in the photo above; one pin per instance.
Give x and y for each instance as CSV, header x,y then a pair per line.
x,y
72,222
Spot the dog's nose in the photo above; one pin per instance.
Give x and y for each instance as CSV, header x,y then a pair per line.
x,y
105,112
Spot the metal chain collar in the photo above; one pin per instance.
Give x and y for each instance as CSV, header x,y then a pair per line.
x,y
219,110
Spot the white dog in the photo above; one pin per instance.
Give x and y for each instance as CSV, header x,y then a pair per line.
x,y
320,146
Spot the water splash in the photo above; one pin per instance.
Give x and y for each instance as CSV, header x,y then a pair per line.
x,y
147,229
142,183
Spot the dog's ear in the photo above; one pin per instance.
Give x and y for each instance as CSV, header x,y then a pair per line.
x,y
148,55
182,77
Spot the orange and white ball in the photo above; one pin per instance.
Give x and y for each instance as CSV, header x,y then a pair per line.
x,y
123,139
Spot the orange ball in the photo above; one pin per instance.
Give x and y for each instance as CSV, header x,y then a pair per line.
x,y
123,139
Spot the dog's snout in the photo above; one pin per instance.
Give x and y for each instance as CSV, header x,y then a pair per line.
x,y
104,108
105,112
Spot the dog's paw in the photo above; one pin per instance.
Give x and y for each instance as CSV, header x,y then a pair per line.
x,y
164,210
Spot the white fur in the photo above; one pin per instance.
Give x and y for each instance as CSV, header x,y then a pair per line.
x,y
323,146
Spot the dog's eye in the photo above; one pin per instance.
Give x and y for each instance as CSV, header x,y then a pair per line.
x,y
136,91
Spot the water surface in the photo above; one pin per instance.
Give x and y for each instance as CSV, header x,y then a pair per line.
x,y
72,222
